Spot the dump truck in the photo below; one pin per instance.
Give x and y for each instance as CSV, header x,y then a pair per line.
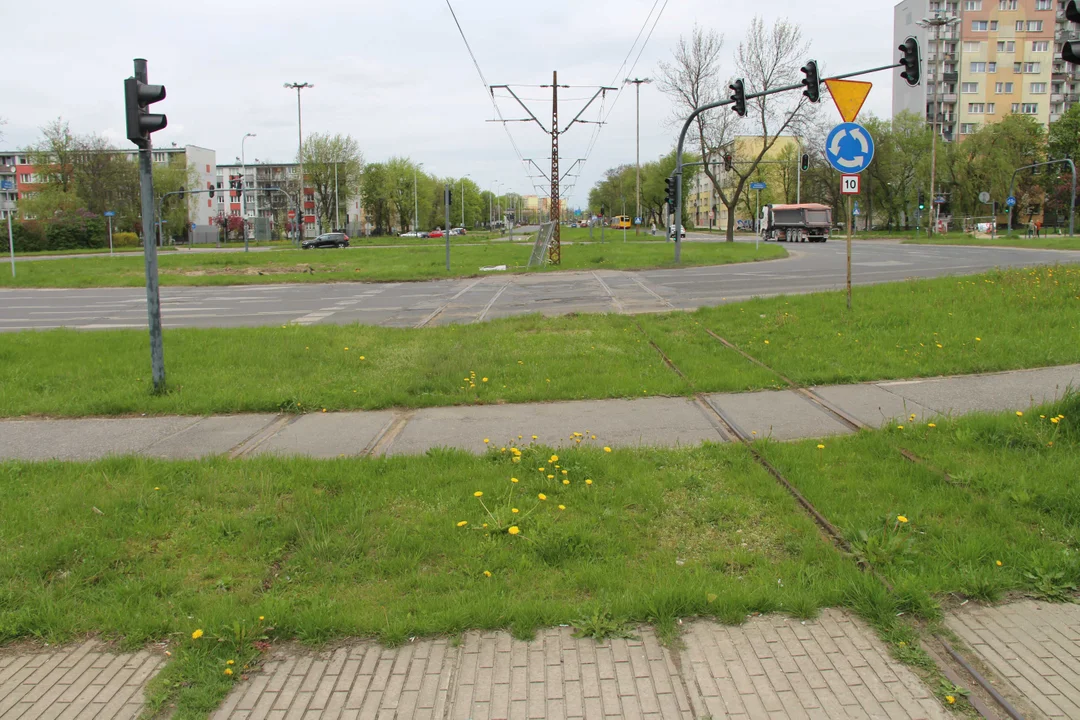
x,y
808,222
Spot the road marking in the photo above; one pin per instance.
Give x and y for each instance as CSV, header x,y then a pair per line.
x,y
344,304
438,311
484,312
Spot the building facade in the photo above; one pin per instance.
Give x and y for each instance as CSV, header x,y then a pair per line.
x,y
1001,58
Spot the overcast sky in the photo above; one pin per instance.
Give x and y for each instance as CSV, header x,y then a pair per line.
x,y
395,74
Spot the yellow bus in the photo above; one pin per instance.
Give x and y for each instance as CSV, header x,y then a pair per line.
x,y
620,222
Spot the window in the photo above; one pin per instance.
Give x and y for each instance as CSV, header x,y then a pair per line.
x,y
972,45
993,26
976,108
1019,26
1018,67
969,87
978,26
1000,88
1034,26
1007,46
973,4
990,108
1038,88
24,177
968,128
1029,108
1006,4
978,67
1040,46
1031,68
1042,5
1015,108
991,67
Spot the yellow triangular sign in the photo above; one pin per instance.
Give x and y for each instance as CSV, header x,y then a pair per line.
x,y
849,96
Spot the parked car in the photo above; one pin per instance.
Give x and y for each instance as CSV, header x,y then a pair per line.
x,y
326,240
434,234
410,234
457,231
671,231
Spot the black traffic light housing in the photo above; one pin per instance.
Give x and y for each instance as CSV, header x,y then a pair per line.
x,y
729,165
812,91
922,203
669,192
911,62
138,96
1070,51
210,187
738,97
805,162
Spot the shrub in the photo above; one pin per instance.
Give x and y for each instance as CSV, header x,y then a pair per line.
x,y
126,239
29,236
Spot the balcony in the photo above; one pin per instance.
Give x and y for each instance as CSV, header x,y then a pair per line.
x,y
948,98
1057,99
951,77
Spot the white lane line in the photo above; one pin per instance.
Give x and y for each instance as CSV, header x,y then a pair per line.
x,y
487,308
343,304
438,311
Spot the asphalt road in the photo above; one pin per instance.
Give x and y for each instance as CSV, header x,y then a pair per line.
x,y
811,267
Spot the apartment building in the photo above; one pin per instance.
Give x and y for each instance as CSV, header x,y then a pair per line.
x,y
1001,58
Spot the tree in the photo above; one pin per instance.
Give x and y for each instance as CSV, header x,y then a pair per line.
x,y
53,156
377,198
333,165
1064,138
767,59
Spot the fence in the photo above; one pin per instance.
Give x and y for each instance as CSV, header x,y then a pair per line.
x,y
543,241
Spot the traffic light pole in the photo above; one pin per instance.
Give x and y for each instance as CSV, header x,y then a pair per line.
x,y
447,231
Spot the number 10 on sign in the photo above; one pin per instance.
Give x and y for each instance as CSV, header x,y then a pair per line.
x,y
849,184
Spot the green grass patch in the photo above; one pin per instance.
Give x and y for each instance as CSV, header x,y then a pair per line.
x,y
420,262
297,369
1046,242
146,550
1008,517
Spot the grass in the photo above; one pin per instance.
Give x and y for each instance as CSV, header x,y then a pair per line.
x,y
364,264
146,550
1000,321
1047,242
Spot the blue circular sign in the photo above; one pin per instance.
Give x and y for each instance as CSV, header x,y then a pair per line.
x,y
849,148
1010,201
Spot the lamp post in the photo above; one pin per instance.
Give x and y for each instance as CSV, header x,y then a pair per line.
x,y
637,82
9,207
300,152
416,198
243,190
463,200
937,22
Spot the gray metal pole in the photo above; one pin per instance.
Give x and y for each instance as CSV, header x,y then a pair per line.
x,y
337,209
110,235
416,203
1072,199
11,242
798,175
446,232
678,216
153,298
462,202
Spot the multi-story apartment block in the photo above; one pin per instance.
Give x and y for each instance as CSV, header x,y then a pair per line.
x,y
1000,58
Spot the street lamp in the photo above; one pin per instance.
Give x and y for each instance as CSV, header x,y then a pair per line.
x,y
637,82
243,190
300,153
9,208
937,22
463,200
416,198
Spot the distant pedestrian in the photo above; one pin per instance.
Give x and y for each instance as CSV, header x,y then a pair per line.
x,y
654,228
1031,228
1038,228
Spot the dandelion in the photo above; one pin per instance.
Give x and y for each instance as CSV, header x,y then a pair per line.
x,y
157,488
588,482
533,437
346,349
519,437
486,441
563,472
516,459
478,494
1055,420
542,496
514,510
950,699
901,519
592,437
228,671
912,417
931,425
484,526
483,379
197,634
513,480
554,459
565,482
978,339
230,662
261,618
1019,414
899,427
543,469
362,358
607,449
820,447
463,523
550,477
766,342
513,530
998,563
487,573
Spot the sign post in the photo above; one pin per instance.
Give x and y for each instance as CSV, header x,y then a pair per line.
x,y
109,214
10,207
849,186
849,149
759,186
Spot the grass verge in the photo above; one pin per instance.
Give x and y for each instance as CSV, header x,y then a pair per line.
x,y
1048,242
291,548
365,264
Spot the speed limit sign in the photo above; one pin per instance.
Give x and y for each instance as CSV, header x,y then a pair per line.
x,y
849,184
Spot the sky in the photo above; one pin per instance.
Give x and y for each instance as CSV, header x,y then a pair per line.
x,y
396,74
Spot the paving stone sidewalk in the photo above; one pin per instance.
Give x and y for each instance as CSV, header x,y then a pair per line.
x,y
658,421
770,667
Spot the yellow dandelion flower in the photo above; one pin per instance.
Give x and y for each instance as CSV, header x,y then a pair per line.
x,y
998,563
197,634
230,662
563,472
901,519
346,348
592,437
519,437
899,427
950,699
228,671
478,494
463,523
554,459
562,507
514,510
550,477
487,573
1055,420
1019,414
486,441
261,618
542,469
565,482
820,447
515,459
607,449
542,496
588,482
484,525
766,342
533,437
513,480
362,357
931,425
157,488
513,530
978,339
483,379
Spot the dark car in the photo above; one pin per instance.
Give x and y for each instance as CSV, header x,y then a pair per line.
x,y
326,240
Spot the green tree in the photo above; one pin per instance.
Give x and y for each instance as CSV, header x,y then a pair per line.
x,y
333,165
52,157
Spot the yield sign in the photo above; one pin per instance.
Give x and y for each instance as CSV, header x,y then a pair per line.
x,y
849,96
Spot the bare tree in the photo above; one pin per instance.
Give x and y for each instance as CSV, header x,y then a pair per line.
x,y
768,58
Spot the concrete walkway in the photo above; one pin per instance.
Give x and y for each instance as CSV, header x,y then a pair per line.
x,y
658,421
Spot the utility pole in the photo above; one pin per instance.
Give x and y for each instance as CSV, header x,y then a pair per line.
x,y
337,210
463,200
300,153
937,22
416,198
446,233
637,83
243,192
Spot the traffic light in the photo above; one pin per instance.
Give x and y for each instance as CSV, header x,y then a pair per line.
x,y
922,203
1070,51
811,81
728,164
239,184
911,61
210,187
738,96
805,162
140,122
669,193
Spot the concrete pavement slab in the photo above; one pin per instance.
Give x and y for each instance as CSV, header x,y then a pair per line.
x,y
870,404
1017,390
328,435
662,422
85,438
1033,650
781,415
210,436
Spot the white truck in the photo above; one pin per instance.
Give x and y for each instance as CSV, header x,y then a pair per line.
x,y
808,222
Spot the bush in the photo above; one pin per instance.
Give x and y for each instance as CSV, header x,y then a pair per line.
x,y
29,236
74,231
126,239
